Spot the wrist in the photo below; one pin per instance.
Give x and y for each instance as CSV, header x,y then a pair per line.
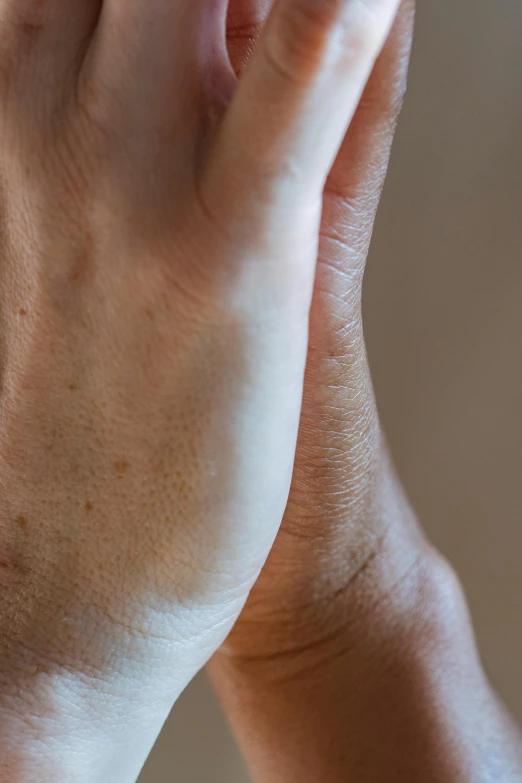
x,y
66,727
397,694
408,598
323,578
48,729
81,698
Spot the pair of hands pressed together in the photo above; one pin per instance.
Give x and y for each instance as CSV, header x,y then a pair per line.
x,y
178,245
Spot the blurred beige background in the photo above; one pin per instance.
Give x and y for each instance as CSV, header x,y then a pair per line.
x,y
444,329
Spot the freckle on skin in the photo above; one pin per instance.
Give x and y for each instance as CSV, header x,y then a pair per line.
x,y
10,571
88,506
21,521
121,466
72,387
22,311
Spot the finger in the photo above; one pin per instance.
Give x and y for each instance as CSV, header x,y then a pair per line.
x,y
357,177
245,22
294,103
351,198
154,57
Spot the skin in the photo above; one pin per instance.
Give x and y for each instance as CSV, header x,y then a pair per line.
x,y
354,658
160,227
159,233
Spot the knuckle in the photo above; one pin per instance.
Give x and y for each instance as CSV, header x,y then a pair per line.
x,y
308,17
281,62
298,42
309,30
364,28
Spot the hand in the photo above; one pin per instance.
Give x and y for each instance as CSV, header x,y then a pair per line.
x,y
336,530
159,241
354,657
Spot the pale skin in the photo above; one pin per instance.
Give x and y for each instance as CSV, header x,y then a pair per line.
x,y
168,234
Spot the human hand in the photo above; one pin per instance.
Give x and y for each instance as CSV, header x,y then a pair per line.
x,y
354,657
159,241
346,511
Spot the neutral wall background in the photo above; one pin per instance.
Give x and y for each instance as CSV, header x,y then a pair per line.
x,y
443,315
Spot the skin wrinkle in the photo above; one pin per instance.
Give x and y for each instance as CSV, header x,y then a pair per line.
x,y
290,664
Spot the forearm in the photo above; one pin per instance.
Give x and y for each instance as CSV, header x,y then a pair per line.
x,y
395,692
